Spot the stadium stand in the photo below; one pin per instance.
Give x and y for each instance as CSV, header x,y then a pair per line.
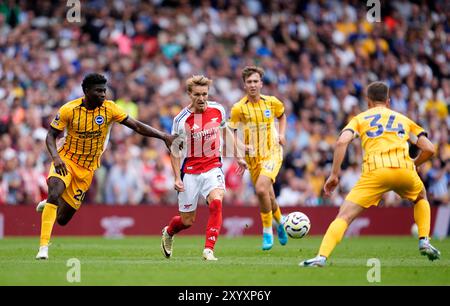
x,y
318,56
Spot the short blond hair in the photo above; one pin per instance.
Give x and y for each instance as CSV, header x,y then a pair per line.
x,y
197,80
249,70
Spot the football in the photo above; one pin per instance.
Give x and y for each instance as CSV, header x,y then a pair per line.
x,y
297,225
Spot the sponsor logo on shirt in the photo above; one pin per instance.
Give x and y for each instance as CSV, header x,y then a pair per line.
x,y
56,120
207,134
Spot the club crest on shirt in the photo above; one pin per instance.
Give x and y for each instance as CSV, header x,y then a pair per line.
x,y
401,133
267,113
99,120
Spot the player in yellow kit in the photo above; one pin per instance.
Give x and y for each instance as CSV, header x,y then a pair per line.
x,y
254,116
86,122
386,166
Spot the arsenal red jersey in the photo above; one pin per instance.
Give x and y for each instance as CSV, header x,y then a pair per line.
x,y
202,138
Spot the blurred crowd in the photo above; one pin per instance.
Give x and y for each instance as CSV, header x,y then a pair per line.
x,y
318,57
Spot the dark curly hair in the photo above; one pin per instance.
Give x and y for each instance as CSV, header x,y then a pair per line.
x,y
91,80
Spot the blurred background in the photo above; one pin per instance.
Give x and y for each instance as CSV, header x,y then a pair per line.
x,y
318,57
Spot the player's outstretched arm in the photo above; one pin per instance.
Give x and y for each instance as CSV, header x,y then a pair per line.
x,y
146,130
50,141
175,161
339,153
427,150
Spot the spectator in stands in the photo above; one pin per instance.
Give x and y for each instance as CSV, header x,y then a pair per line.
x,y
123,181
437,179
318,56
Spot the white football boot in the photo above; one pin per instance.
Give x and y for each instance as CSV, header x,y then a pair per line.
x,y
428,250
43,252
166,243
318,261
208,254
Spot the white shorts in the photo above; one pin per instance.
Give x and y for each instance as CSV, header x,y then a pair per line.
x,y
199,184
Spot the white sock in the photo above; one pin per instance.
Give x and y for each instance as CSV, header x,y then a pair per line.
x,y
267,230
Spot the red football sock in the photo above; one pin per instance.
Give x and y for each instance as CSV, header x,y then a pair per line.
x,y
175,226
214,223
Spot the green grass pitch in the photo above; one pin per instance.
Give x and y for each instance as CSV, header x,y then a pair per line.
x,y
138,261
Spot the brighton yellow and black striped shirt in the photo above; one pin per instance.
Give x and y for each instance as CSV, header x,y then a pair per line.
x,y
256,122
86,131
384,138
